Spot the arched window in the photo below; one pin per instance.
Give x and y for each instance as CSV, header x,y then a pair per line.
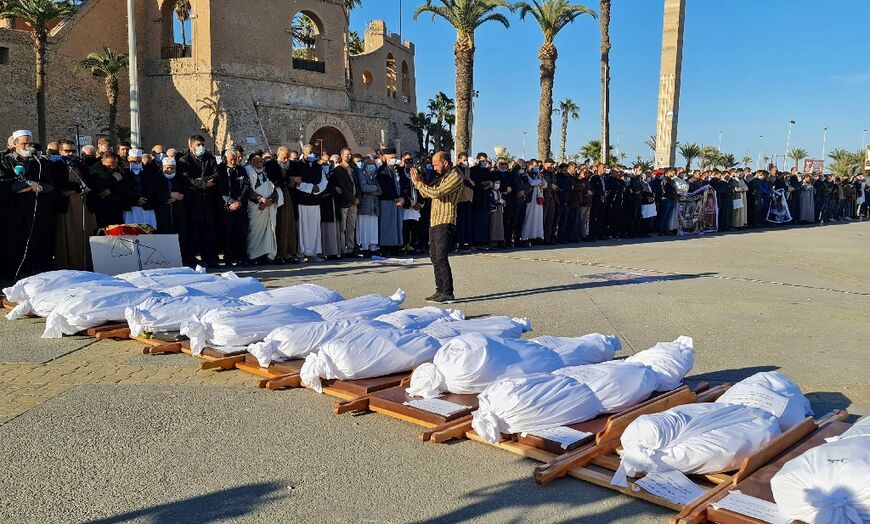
x,y
406,82
391,76
305,32
177,30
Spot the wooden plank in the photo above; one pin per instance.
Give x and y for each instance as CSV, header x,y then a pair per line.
x,y
275,369
356,404
224,363
514,447
292,380
92,332
163,349
402,417
393,400
603,480
426,436
119,333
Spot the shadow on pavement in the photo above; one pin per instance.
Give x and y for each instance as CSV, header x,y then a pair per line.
x,y
729,375
319,269
525,495
217,506
627,280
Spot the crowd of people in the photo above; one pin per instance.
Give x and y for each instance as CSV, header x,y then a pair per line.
x,y
292,206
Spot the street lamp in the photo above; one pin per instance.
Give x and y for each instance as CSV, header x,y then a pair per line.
x,y
720,141
824,142
760,152
864,139
791,124
523,153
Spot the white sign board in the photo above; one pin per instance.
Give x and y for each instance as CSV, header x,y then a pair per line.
x,y
867,160
122,254
86,140
250,140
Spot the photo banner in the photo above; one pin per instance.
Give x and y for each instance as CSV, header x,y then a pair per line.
x,y
778,212
698,212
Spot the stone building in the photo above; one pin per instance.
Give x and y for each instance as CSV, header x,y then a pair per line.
x,y
234,80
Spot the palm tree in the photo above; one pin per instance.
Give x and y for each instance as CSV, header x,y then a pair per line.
x,y
797,154
844,162
690,152
38,14
728,160
604,22
711,157
419,123
552,16
568,109
747,160
465,16
651,144
440,108
592,150
107,65
182,13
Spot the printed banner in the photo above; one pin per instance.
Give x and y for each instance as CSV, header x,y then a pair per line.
x,y
698,212
778,212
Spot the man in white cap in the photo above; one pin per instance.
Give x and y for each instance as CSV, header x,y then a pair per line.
x,y
26,194
169,195
140,208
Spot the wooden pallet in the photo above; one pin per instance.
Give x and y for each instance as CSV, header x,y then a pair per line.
x,y
391,402
598,463
757,483
7,304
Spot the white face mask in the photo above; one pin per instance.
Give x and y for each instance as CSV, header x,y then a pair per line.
x,y
199,150
284,165
169,176
27,152
393,161
378,163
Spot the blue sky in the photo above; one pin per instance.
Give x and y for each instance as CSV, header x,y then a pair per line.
x,y
749,67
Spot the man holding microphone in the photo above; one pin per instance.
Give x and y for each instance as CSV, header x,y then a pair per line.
x,y
444,191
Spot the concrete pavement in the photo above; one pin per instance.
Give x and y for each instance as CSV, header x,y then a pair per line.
x,y
97,431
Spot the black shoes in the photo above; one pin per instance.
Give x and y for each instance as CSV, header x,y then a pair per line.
x,y
433,296
441,298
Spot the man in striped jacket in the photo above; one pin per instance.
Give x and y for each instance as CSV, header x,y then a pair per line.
x,y
444,192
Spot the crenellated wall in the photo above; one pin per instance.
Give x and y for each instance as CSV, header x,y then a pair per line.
x,y
236,83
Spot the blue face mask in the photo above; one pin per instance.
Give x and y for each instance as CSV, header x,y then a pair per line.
x,y
535,170
160,156
169,176
371,168
311,158
428,167
54,158
502,170
359,165
325,169
484,165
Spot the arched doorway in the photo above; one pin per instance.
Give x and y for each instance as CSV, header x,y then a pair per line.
x,y
328,140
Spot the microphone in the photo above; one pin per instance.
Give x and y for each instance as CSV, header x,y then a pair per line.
x,y
19,171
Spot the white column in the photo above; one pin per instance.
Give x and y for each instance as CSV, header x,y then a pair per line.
x,y
133,68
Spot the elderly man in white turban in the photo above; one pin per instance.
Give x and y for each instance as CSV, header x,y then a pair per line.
x,y
170,194
26,198
263,203
141,210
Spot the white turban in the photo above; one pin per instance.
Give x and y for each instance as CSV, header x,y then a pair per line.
x,y
168,161
135,153
20,133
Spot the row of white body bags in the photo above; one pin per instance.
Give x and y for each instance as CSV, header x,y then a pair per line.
x,y
374,353
300,295
297,341
27,288
574,394
712,437
167,313
469,363
236,327
95,307
44,302
829,483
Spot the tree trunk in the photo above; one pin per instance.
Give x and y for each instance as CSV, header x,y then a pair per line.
x,y
562,150
604,19
438,135
39,40
548,56
112,96
464,53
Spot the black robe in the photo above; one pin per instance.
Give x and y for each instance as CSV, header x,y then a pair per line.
x,y
109,208
172,219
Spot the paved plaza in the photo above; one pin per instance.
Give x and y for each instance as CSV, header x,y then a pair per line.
x,y
96,431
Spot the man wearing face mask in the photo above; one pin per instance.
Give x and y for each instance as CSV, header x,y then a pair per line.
x,y
140,207
307,196
234,186
283,173
89,157
465,206
109,193
391,202
26,198
75,224
482,178
515,187
170,196
199,168
347,197
369,204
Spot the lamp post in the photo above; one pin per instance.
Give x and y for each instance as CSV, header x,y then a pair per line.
x,y
791,124
824,142
864,139
523,152
133,68
760,152
720,141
